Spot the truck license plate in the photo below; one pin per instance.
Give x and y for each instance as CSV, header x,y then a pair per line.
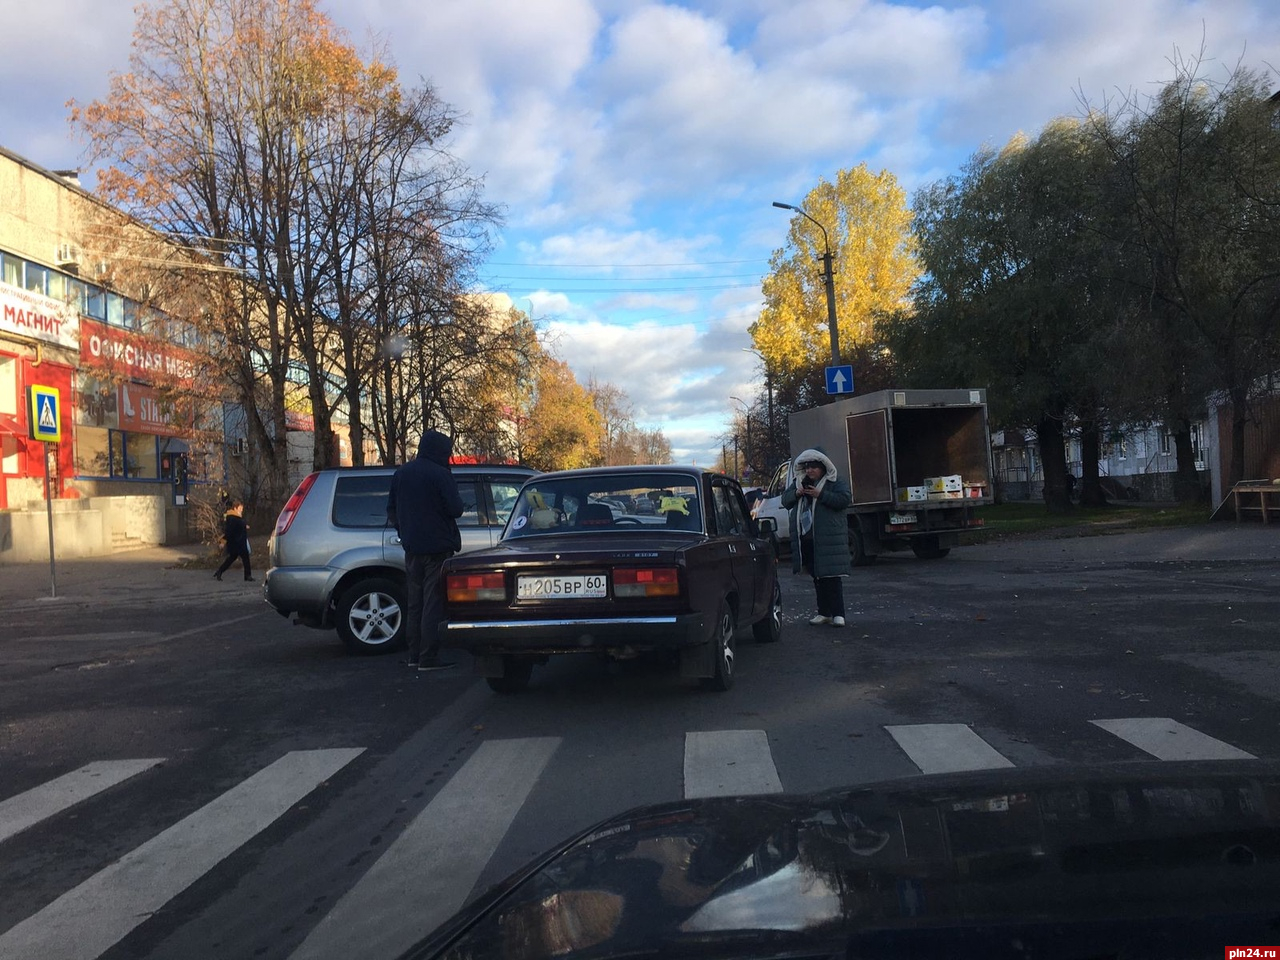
x,y
562,588
902,518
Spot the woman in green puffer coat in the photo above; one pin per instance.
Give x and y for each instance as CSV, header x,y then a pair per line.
x,y
817,500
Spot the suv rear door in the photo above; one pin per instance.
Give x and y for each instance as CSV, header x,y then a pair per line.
x,y
487,498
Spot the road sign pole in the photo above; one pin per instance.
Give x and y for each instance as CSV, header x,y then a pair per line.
x,y
48,507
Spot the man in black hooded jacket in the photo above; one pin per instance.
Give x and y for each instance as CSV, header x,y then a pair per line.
x,y
423,507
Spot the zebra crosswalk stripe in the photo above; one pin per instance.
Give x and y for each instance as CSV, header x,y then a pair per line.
x,y
29,808
432,866
946,748
89,919
1167,739
721,763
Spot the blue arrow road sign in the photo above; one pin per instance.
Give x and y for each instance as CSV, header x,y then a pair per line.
x,y
840,379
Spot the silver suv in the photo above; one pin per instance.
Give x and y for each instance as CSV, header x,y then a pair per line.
x,y
336,563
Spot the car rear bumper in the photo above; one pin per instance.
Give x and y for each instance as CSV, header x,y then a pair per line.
x,y
575,635
300,590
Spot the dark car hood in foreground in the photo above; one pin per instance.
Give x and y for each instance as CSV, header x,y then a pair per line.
x,y
1133,860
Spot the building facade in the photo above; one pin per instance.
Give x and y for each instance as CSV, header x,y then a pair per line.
x,y
139,422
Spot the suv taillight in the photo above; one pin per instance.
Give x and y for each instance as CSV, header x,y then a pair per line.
x,y
295,502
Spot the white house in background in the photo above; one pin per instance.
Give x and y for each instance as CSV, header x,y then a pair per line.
x,y
1135,462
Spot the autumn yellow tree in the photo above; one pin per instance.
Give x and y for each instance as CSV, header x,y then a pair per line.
x,y
868,224
563,427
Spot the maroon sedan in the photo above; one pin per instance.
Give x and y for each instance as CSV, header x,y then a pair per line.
x,y
617,561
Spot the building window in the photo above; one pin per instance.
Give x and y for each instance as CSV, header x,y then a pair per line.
x,y
9,385
75,294
142,462
95,455
117,455
8,454
37,279
57,285
115,309
95,303
12,270
1166,442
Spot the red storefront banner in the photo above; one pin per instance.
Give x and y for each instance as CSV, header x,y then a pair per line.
x,y
126,353
142,410
297,420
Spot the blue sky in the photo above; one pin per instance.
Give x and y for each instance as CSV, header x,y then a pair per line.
x,y
636,147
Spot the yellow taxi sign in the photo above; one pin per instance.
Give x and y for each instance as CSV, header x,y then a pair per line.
x,y
44,414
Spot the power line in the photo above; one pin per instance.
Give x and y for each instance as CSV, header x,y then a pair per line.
x,y
722,276
622,266
498,282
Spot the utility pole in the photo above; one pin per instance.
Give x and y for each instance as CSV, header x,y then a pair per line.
x,y
828,278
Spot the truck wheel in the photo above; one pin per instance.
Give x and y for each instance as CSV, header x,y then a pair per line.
x,y
516,672
926,548
858,548
370,616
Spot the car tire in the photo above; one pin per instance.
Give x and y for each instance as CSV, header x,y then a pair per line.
x,y
370,616
768,629
515,676
927,548
725,654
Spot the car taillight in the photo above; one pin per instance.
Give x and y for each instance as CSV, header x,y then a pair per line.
x,y
646,582
470,587
295,502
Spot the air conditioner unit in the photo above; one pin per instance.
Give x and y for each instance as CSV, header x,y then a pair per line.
x,y
68,255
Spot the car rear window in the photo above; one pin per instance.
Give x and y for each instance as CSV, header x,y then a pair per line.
x,y
590,503
361,501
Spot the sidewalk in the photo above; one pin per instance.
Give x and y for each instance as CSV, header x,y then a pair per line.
x,y
148,575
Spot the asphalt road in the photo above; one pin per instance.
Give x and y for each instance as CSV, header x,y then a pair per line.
x,y
285,799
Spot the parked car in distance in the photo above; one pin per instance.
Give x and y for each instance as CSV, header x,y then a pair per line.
x,y
572,575
336,563
770,505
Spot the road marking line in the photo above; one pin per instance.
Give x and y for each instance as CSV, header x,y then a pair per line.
x,y
88,920
946,748
212,626
27,809
722,763
1167,739
426,875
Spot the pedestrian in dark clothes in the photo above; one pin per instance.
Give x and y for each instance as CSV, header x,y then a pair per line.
x,y
236,534
424,507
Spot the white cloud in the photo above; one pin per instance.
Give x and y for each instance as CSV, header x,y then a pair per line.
x,y
595,246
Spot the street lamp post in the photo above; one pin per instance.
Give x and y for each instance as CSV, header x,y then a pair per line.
x,y
768,386
746,410
828,276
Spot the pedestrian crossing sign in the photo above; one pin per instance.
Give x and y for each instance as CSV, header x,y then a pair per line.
x,y
43,414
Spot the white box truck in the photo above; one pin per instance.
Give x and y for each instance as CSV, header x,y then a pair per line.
x,y
917,461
